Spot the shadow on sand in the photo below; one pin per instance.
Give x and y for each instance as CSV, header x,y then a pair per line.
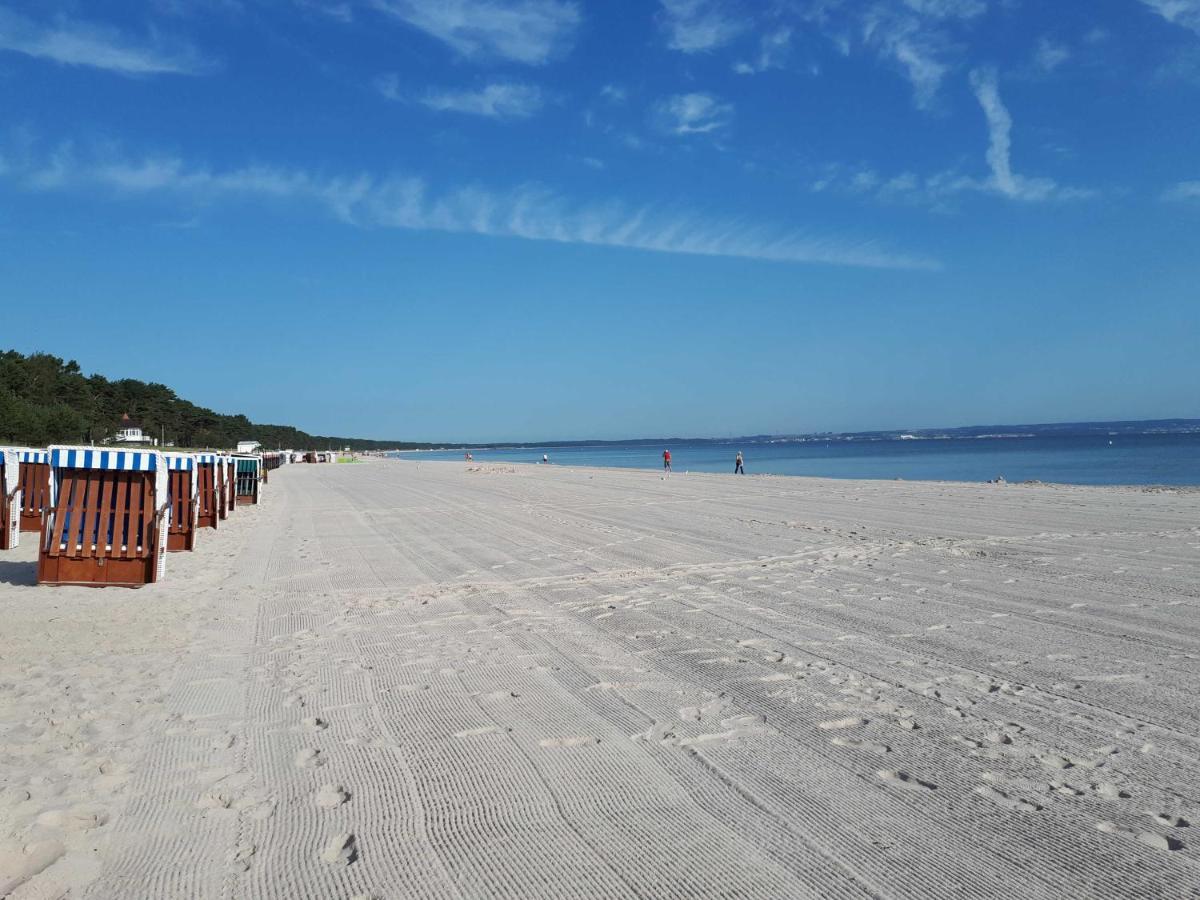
x,y
21,574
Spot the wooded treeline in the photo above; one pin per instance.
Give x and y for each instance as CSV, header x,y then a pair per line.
x,y
46,400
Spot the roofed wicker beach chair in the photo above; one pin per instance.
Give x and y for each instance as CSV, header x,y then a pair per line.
x,y
106,521
228,485
210,495
10,499
249,468
182,490
270,461
35,487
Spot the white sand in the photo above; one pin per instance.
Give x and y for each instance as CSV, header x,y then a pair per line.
x,y
526,682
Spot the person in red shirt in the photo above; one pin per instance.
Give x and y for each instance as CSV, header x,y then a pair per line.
x,y
667,461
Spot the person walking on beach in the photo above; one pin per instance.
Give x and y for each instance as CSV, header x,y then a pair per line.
x,y
737,465
545,459
667,461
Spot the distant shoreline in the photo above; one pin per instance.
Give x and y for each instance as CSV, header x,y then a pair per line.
x,y
980,432
1134,459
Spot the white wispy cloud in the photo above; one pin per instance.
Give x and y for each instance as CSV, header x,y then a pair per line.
x,y
530,212
939,190
922,39
906,41
496,101
948,9
388,84
339,10
1184,190
1185,13
772,51
500,100
1048,55
72,42
524,31
999,152
693,114
1003,179
693,26
614,94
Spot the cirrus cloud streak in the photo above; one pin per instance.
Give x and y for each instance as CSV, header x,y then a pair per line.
x,y
72,42
529,211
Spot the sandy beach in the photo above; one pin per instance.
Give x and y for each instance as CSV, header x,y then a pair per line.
x,y
399,680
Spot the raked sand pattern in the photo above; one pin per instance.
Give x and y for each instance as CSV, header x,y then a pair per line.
x,y
393,680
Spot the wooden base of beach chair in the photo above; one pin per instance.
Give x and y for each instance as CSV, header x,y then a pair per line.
x,y
95,572
181,541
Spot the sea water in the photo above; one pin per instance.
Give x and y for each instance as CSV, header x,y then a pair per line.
x,y
1167,459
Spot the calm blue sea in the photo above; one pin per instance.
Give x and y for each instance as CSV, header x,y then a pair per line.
x,y
1069,459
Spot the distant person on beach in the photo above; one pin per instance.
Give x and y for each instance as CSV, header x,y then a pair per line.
x,y
545,458
667,461
737,465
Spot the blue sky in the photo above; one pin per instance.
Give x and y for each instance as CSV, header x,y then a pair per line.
x,y
524,219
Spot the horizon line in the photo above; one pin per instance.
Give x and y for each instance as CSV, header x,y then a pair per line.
x,y
794,434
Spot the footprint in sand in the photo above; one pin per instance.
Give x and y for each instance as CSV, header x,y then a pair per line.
x,y
856,744
240,856
340,850
12,796
214,800
1149,838
331,796
903,779
256,807
1053,761
309,758
315,723
1170,820
1110,791
1016,804
83,817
